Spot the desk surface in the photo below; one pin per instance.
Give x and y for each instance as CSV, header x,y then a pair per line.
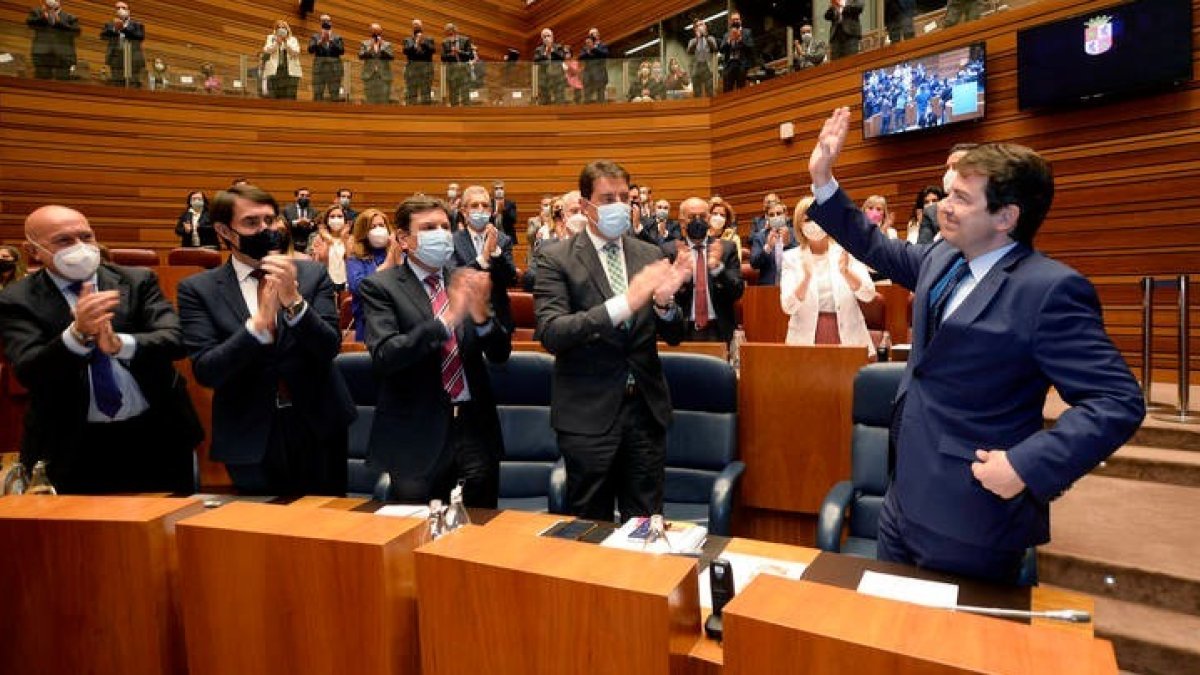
x,y
707,653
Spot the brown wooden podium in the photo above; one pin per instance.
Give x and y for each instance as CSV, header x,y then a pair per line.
x,y
499,602
291,591
832,630
89,585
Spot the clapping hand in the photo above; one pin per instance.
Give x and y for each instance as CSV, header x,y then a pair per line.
x,y
490,235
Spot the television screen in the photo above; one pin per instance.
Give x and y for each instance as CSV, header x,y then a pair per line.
x,y
1135,47
932,91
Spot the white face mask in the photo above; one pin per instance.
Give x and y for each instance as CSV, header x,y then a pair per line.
x,y
717,222
281,32
378,237
336,223
122,14
78,262
948,180
576,223
812,231
451,193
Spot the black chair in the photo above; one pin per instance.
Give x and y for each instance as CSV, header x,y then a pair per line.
x,y
703,470
529,480
357,371
855,504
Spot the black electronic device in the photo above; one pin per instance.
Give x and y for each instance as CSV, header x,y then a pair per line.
x,y
720,577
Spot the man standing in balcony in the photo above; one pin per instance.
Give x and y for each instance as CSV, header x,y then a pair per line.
x,y
738,48
376,55
327,49
702,47
418,76
457,52
124,33
53,46
595,67
845,29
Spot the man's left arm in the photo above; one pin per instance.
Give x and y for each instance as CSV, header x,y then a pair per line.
x,y
1077,356
316,331
135,31
728,283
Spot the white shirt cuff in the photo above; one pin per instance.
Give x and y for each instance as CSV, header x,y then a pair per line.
x,y
483,261
263,337
128,347
618,309
74,346
822,193
716,270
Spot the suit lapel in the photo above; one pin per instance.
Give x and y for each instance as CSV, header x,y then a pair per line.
x,y
231,292
414,289
50,301
107,279
942,259
981,296
586,255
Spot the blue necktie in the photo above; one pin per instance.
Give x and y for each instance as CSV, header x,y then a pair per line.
x,y
105,392
941,293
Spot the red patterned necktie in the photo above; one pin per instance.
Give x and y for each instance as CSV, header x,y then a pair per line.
x,y
701,294
453,376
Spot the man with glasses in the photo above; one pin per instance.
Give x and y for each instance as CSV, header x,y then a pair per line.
x,y
262,332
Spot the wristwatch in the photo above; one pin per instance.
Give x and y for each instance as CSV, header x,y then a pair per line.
x,y
83,338
293,310
663,308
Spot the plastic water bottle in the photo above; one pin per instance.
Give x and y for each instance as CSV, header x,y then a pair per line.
x,y
436,527
39,483
456,515
735,349
15,480
885,347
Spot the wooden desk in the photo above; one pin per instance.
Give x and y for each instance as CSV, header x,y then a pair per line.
x,y
762,316
90,585
273,589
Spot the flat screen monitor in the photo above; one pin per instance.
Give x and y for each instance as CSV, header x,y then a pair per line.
x,y
1131,48
924,93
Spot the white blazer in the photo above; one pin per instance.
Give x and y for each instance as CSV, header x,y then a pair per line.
x,y
271,49
802,326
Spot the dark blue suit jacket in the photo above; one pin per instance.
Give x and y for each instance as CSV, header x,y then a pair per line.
x,y
981,382
501,269
763,260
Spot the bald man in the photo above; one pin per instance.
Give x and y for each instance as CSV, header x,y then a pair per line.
x,y
707,299
94,344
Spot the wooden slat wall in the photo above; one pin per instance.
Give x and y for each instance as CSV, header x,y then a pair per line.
x,y
128,161
571,19
1127,174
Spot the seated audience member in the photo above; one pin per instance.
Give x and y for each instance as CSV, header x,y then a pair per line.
x,y
282,67
299,218
768,245
374,249
707,298
722,223
193,226
330,243
12,267
931,195
677,76
875,208
482,246
94,345
429,325
643,87
574,221
821,287
262,332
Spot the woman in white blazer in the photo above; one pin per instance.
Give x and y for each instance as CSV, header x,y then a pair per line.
x,y
820,289
282,67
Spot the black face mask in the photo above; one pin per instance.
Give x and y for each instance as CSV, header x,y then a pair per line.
x,y
327,25
7,266
258,245
302,202
737,24
697,229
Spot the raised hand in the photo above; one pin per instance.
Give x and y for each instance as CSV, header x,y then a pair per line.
x,y
829,145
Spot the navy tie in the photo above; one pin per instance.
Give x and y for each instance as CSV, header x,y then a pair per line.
x,y
942,291
105,392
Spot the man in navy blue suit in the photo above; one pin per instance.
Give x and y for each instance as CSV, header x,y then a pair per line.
x,y
995,324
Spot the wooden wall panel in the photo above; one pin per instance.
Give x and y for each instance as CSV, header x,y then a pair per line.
x,y
1127,175
571,19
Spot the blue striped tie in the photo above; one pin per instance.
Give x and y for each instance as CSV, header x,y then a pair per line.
x,y
942,291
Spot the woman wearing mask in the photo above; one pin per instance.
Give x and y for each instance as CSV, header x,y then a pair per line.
x,y
875,208
722,223
677,77
556,227
330,244
821,287
193,227
930,195
644,87
373,250
535,224
12,268
282,68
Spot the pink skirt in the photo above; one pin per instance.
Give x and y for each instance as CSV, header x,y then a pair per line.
x,y
827,329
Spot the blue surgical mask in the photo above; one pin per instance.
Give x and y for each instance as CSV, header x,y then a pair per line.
x,y
612,219
434,247
479,219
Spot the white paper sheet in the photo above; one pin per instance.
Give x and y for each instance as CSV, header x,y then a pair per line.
x,y
907,589
404,511
745,568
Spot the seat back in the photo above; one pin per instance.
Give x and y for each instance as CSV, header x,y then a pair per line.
x,y
702,438
521,304
875,388
363,384
207,258
522,389
133,257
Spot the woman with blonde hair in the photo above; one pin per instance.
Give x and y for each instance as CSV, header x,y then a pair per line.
x,y
374,248
821,287
722,223
282,68
875,208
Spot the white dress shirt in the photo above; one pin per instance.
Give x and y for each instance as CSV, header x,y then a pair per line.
x,y
979,267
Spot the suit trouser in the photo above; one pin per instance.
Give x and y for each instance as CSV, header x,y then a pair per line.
x,y
474,459
702,80
842,47
734,76
326,79
51,67
418,79
297,461
134,455
900,540
593,92
628,461
283,86
457,81
377,90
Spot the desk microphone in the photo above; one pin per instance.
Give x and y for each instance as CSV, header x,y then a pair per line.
x,y
720,576
1068,615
